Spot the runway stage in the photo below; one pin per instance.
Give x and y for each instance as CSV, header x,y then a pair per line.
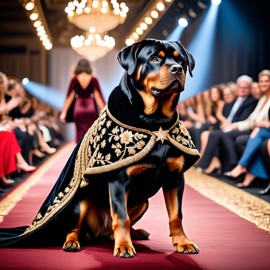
x,y
230,226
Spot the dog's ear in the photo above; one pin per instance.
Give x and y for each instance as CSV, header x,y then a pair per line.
x,y
191,60
127,57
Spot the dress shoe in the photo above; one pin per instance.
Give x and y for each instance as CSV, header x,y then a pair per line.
x,y
4,182
48,150
25,168
38,153
229,175
216,170
265,191
242,185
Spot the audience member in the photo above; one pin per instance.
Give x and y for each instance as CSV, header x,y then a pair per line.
x,y
255,90
265,153
11,159
258,118
206,111
26,129
251,163
17,126
229,92
223,148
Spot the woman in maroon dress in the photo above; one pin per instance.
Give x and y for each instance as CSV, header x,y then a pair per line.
x,y
85,93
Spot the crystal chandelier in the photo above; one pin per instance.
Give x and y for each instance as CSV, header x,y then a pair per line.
x,y
102,14
96,17
93,45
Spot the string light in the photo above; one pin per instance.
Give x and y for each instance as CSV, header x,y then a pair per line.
x,y
36,16
148,19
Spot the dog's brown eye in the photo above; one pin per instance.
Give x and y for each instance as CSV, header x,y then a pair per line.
x,y
154,59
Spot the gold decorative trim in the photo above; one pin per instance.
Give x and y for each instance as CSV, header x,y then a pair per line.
x,y
64,196
10,201
236,200
114,144
127,126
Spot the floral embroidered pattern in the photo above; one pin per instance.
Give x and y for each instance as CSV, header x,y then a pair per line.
x,y
110,142
108,145
180,134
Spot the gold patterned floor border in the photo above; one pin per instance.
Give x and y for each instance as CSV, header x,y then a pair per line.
x,y
236,200
10,201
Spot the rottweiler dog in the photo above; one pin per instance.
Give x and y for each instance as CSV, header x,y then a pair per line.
x,y
151,149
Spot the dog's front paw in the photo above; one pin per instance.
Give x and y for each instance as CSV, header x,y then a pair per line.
x,y
71,246
185,246
124,252
139,234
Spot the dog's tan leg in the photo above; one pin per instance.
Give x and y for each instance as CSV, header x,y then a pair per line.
x,y
179,239
123,246
135,214
72,240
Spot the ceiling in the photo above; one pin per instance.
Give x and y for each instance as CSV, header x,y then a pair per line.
x,y
15,23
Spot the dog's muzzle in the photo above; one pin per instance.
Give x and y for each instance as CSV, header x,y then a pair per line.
x,y
176,69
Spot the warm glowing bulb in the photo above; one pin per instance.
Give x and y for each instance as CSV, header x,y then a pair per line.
x,y
160,6
148,20
34,16
37,23
29,6
154,14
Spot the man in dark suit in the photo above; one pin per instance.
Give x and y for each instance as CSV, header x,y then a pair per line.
x,y
221,141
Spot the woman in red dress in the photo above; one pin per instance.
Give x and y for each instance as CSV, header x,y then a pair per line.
x,y
11,158
85,92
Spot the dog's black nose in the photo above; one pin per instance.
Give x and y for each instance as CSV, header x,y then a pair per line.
x,y
176,69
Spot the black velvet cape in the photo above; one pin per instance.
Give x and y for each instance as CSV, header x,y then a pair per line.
x,y
116,139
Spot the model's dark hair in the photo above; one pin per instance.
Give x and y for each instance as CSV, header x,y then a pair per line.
x,y
83,66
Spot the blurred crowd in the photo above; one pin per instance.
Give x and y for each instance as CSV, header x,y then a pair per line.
x,y
29,131
229,124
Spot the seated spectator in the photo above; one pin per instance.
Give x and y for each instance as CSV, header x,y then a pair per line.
x,y
197,115
215,114
259,117
255,90
11,159
229,92
28,133
265,153
221,142
192,114
251,163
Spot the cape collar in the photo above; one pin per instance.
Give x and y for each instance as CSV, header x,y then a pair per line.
x,y
111,144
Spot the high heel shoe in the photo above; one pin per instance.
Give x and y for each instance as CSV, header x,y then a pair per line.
x,y
25,168
6,182
48,150
242,185
216,170
229,175
249,178
265,191
38,153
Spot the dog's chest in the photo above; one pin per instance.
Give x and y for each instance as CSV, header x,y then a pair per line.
x,y
153,173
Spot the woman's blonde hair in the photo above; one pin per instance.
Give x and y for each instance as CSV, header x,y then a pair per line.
x,y
265,72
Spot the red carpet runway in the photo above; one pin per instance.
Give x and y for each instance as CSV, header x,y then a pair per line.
x,y
227,241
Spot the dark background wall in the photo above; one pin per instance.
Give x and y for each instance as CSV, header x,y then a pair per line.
x,y
241,41
241,46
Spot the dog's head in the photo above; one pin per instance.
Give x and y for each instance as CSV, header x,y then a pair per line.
x,y
157,70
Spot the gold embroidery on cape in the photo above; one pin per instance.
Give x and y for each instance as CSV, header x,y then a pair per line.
x,y
65,195
127,144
